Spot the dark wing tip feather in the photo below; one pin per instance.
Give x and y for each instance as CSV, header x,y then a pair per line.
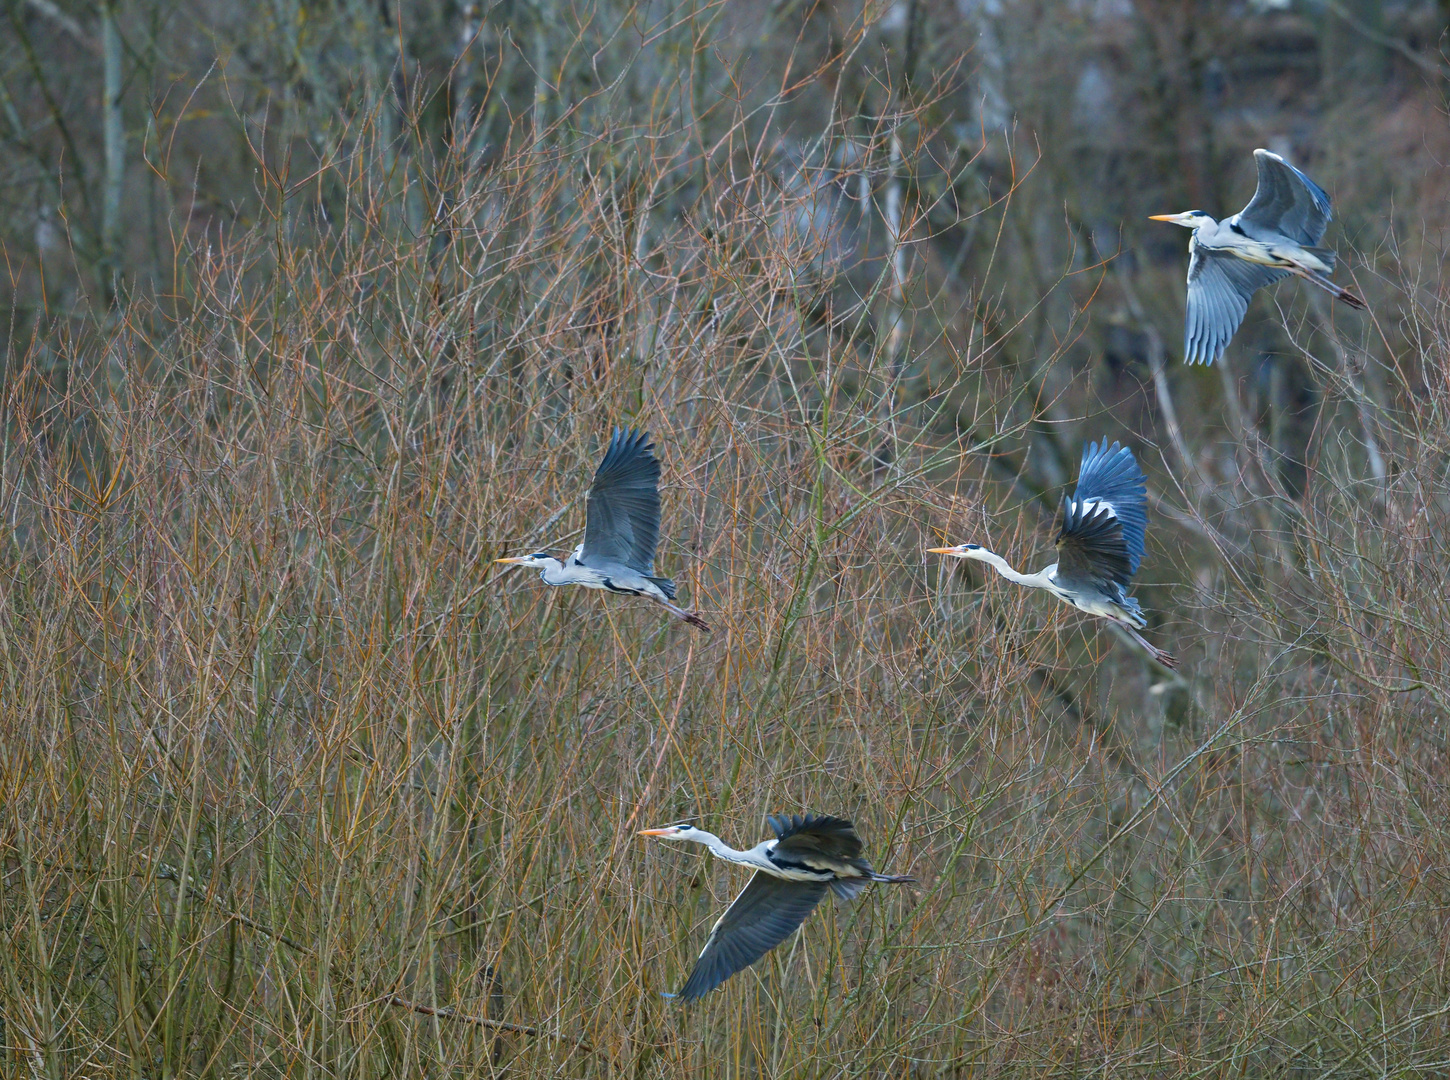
x,y
625,445
1111,474
787,826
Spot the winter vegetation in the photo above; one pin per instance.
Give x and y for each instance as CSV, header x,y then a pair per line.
x,y
313,311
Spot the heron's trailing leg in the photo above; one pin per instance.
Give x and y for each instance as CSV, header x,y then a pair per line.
x,y
1328,286
1167,660
689,616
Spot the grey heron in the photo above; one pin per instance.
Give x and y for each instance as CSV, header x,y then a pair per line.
x,y
621,530
1230,260
809,856
1099,543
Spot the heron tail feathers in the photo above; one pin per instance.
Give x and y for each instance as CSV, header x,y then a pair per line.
x,y
1132,610
666,586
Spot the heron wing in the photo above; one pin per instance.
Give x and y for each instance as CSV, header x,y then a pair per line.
x,y
1110,475
622,522
767,911
1091,548
1219,289
832,837
1286,201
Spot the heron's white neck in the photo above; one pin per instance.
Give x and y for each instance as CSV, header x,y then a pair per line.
x,y
722,850
1040,580
553,572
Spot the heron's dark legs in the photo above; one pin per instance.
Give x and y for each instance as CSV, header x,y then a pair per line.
x,y
1336,291
689,616
1156,653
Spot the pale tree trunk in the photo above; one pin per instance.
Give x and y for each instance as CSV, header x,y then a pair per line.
x,y
114,141
893,325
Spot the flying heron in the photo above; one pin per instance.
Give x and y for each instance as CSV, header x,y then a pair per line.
x,y
1099,544
621,530
1271,238
809,855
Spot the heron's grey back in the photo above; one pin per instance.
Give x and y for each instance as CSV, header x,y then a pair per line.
x,y
622,521
1286,202
767,911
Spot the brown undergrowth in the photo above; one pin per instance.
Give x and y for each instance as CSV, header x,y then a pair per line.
x,y
297,782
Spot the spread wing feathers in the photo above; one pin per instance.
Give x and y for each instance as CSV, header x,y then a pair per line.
x,y
622,524
1110,474
1286,201
767,911
1091,548
830,839
1219,289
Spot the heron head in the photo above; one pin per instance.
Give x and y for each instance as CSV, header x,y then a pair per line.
x,y
1189,219
681,830
961,551
538,559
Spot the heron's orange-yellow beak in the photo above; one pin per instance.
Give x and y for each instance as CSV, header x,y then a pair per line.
x,y
656,832
943,551
1162,217
510,560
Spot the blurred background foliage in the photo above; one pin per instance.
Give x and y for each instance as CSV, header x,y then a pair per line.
x,y
313,310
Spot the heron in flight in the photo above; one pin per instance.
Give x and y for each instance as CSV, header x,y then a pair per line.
x,y
621,530
1099,544
1230,260
809,855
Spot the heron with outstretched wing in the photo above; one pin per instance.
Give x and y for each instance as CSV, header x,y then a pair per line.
x,y
1276,235
1099,544
810,856
621,530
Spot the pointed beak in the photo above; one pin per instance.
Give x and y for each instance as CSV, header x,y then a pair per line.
x,y
1176,219
509,560
944,551
656,832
